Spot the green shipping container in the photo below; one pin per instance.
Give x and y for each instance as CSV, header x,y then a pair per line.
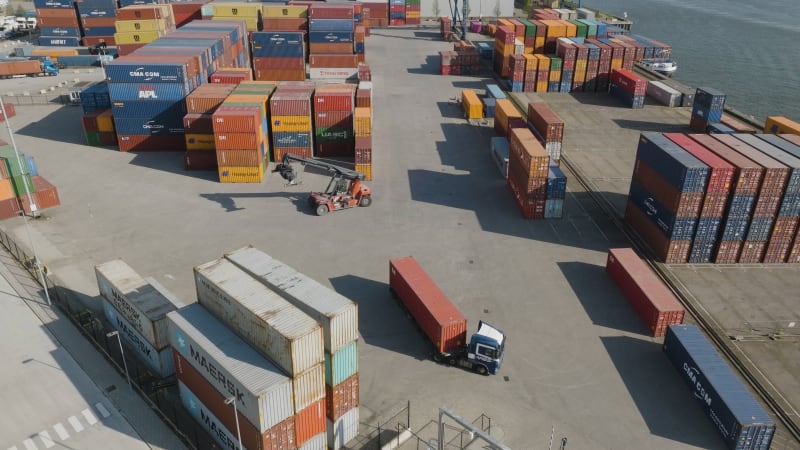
x,y
591,28
341,365
555,62
530,27
253,89
334,134
93,138
12,165
581,28
19,182
412,2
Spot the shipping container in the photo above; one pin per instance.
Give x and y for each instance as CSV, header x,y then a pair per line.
x,y
528,154
337,314
341,398
319,441
139,302
655,304
210,423
676,165
341,365
546,123
343,430
285,334
678,203
663,94
781,125
159,361
436,315
499,146
741,421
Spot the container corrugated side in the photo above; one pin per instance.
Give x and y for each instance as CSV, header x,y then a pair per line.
x,y
139,302
676,165
145,72
737,415
263,393
309,422
159,361
308,387
342,430
208,421
337,314
317,442
341,365
284,333
341,398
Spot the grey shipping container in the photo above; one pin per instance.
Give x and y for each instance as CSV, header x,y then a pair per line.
x,y
282,332
738,417
138,301
263,393
337,314
663,94
160,361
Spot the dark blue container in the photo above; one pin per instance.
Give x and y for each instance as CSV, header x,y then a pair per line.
x,y
89,4
278,51
779,154
710,98
790,206
359,48
330,36
516,86
737,416
291,139
357,17
719,128
148,108
740,206
95,97
565,86
781,143
149,125
594,51
99,31
601,29
277,38
145,91
707,228
145,72
556,183
760,229
674,164
628,99
331,24
97,12
494,91
60,31
680,229
488,106
553,86
123,3
54,4
735,229
701,251
59,41
397,15
79,60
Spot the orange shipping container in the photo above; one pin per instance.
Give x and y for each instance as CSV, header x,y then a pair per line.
x,y
6,190
237,119
227,157
309,422
238,141
362,121
781,125
504,111
526,149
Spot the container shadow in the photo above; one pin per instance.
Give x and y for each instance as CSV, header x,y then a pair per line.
x,y
62,125
428,35
644,126
431,66
170,162
602,301
381,320
477,85
666,405
228,200
451,109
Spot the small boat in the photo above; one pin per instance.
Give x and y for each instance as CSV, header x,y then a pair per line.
x,y
664,66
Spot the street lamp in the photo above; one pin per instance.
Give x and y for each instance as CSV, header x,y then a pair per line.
x,y
228,401
122,353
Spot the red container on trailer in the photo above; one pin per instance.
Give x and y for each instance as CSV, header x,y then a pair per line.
x,y
436,315
653,301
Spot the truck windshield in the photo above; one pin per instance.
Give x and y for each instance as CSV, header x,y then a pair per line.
x,y
487,351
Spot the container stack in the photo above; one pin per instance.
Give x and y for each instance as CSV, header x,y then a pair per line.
x,y
542,73
592,67
44,194
581,64
714,200
556,193
290,115
58,23
376,14
138,309
503,49
185,12
331,30
548,127
287,336
360,42
464,59
397,12
516,79
98,128
493,93
362,129
554,80
338,317
785,228
333,110
279,55
277,17
446,28
412,12
212,363
231,75
528,169
666,195
568,52
531,66
17,182
198,125
137,25
97,20
504,113
249,13
628,87
603,65
706,108
663,94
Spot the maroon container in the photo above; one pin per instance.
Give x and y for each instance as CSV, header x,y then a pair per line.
x,y
532,188
332,60
9,208
670,252
330,100
752,252
280,74
436,315
341,398
655,304
108,138
279,63
321,10
240,158
333,119
285,24
89,41
141,12
150,143
10,112
200,160
45,195
628,81
728,252
530,208
127,49
334,149
89,22
195,123
70,22
330,47
545,122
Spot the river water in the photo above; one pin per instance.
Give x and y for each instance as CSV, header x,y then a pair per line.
x,y
748,49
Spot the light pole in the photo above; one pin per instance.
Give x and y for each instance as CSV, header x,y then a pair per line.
x,y
31,204
228,401
122,353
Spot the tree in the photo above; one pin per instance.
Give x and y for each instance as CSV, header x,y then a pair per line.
x,y
19,11
9,9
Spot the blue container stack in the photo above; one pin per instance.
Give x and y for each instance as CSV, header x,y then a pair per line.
x,y
397,12
739,418
91,10
706,109
556,193
493,93
61,36
279,55
95,97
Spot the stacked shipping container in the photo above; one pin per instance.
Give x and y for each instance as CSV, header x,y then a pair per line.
x,y
97,21
331,30
464,59
249,13
784,231
333,108
198,125
282,18
137,25
363,129
706,109
548,127
528,169
628,87
279,55
290,115
58,23
20,178
397,12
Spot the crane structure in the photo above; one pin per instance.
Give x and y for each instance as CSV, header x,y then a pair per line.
x,y
345,189
459,17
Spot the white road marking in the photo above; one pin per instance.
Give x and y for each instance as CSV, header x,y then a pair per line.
x,y
90,418
76,424
103,411
28,443
61,431
45,437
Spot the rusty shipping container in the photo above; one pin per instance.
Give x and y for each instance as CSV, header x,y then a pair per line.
x,y
547,124
341,398
655,304
309,422
244,158
436,315
526,149
237,119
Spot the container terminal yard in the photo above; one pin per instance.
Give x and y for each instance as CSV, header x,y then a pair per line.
x,y
579,363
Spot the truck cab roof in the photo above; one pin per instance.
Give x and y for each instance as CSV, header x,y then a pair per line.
x,y
484,329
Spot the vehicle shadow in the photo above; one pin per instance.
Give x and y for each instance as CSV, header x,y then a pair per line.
x,y
228,200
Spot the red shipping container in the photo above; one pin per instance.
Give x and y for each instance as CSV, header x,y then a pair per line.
x,y
721,175
656,305
679,204
8,113
67,22
89,41
238,141
108,138
289,103
55,12
628,81
278,63
240,158
670,252
527,151
9,208
752,252
280,74
531,209
45,195
330,47
198,123
89,121
146,142
278,152
748,174
322,10
728,252
334,149
237,119
332,60
309,422
89,22
141,12
546,122
279,437
780,241
127,49
330,100
285,24
327,119
341,398
435,314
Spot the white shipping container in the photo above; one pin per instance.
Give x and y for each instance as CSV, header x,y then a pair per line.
x,y
343,430
263,393
318,442
138,301
554,150
203,416
337,314
160,361
333,73
308,387
284,333
663,94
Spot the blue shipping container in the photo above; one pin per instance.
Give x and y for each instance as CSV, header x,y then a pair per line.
x,y
149,125
735,229
99,31
330,25
59,41
494,91
292,139
790,206
204,417
79,60
703,112
675,165
566,86
719,128
148,108
277,38
278,51
341,365
710,98
145,91
151,49
31,164
488,107
553,208
96,4
707,228
360,48
760,229
738,417
330,36
556,183
146,72
553,86
97,12
680,229
124,3
740,206
701,251
397,15
628,99
52,4
516,86
60,31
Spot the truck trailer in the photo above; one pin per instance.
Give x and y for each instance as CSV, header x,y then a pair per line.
x,y
11,68
442,323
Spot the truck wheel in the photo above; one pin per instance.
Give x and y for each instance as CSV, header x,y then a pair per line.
x,y
437,357
365,201
451,360
322,210
481,370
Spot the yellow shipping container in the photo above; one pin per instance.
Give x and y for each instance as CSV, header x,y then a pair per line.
x,y
504,50
555,28
141,25
531,63
412,14
538,44
239,174
616,63
250,22
781,125
237,10
139,37
6,190
105,122
570,29
541,86
362,121
291,123
472,104
284,11
366,169
54,53
203,142
555,75
504,110
580,65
